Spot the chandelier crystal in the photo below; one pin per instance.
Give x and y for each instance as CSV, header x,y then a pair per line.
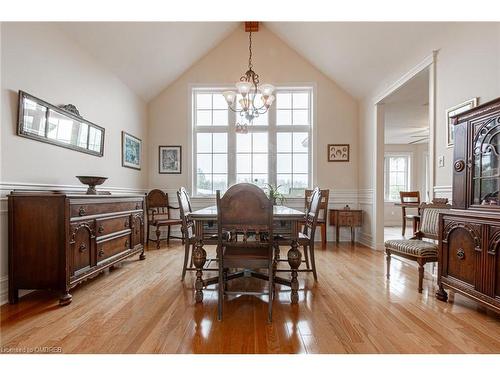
x,y
254,99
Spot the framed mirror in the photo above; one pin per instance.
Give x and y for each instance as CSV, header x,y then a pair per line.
x,y
60,126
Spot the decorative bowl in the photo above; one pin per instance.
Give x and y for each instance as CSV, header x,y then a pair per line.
x,y
91,181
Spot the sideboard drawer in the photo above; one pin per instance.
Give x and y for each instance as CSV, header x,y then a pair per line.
x,y
111,225
80,210
116,245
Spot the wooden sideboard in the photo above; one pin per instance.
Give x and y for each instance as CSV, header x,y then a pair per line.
x,y
58,240
345,218
469,241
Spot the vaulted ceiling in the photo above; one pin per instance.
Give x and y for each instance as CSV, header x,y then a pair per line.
x,y
148,56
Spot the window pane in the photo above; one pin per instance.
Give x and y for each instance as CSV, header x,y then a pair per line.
x,y
285,180
204,163
301,100
392,179
203,118
219,101
204,101
204,184
300,117
220,182
300,142
260,179
261,120
400,179
243,163
243,178
284,163
300,181
284,142
243,142
220,117
283,117
220,163
204,142
260,143
300,163
283,100
220,142
259,163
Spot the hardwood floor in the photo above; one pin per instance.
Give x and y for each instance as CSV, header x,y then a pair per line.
x,y
352,309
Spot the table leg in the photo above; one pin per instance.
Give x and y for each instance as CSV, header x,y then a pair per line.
x,y
294,260
337,233
199,259
352,234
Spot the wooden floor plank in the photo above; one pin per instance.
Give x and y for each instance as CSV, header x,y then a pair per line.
x,y
143,307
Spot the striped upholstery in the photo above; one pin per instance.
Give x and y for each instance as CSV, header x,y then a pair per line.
x,y
430,220
413,247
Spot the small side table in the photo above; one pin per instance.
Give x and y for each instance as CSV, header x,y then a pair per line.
x,y
346,218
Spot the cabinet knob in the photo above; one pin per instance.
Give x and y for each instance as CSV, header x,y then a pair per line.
x,y
81,211
126,224
461,254
126,244
137,206
100,253
459,165
100,229
82,248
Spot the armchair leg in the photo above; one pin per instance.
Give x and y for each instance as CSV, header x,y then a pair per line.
x,y
186,257
323,235
404,227
420,274
313,262
158,237
388,260
168,235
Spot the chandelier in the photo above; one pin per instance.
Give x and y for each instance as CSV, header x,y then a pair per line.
x,y
251,98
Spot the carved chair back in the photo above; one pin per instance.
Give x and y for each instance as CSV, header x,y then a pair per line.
x,y
312,213
185,209
409,196
323,207
245,211
429,224
157,205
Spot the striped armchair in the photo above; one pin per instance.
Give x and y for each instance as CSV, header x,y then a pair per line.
x,y
416,248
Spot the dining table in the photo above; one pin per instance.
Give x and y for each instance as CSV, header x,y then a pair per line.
x,y
286,224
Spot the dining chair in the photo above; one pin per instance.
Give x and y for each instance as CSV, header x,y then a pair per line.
x,y
247,214
158,215
323,211
409,197
306,237
416,248
188,232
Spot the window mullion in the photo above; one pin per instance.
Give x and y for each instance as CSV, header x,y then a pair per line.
x,y
231,149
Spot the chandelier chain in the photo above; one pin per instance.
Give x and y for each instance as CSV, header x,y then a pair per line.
x,y
250,66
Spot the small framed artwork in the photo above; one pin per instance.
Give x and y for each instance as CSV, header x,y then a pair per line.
x,y
170,159
453,111
131,151
338,152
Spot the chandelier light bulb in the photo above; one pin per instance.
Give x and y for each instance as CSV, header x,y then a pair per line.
x,y
230,97
266,90
269,101
243,88
244,104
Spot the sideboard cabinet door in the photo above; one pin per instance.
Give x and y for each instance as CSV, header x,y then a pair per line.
x,y
82,247
462,256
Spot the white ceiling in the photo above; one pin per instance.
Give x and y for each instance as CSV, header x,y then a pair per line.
x,y
406,112
148,56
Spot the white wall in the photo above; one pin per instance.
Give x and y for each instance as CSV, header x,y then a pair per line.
x,y
468,65
276,63
39,59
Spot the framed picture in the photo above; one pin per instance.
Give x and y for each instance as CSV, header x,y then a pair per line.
x,y
170,159
453,111
338,152
131,151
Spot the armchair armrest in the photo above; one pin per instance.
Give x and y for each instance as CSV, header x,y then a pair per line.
x,y
173,207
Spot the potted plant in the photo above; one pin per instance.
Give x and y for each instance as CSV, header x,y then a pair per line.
x,y
274,194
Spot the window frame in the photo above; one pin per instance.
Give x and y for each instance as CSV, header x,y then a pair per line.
x,y
387,156
272,129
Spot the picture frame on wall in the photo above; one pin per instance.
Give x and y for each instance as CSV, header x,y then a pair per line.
x,y
453,111
131,151
338,153
170,159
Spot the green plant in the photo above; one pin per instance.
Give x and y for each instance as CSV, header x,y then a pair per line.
x,y
274,194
